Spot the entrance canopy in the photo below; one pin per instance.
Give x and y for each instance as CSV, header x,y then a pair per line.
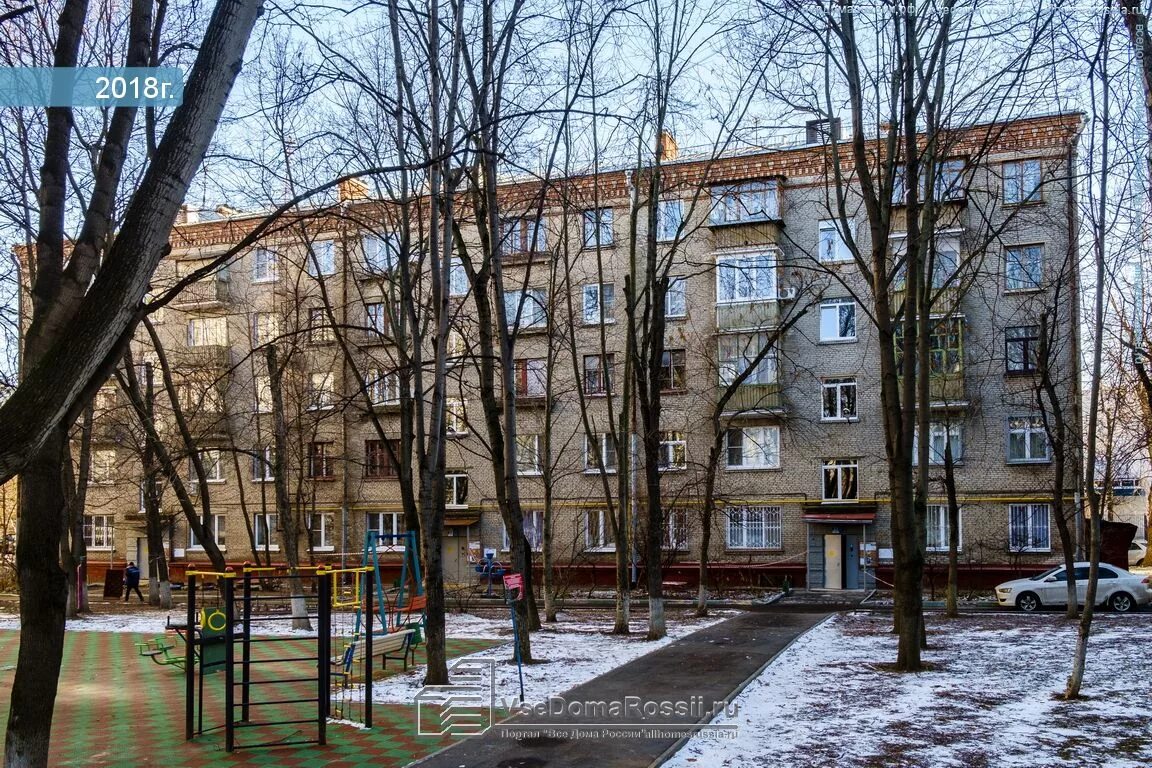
x,y
840,513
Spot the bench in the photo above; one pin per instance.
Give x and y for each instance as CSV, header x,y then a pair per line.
x,y
158,649
396,646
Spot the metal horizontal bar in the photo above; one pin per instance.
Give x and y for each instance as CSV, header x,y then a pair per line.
x,y
240,704
277,743
271,723
255,662
282,681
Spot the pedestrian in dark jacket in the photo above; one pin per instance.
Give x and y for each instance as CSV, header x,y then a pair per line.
x,y
132,582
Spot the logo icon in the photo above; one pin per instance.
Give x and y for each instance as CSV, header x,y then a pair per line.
x,y
464,707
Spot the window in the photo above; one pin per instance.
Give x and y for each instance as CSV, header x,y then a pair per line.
x,y
198,397
833,245
1027,440
599,453
750,201
533,530
525,309
320,532
1021,182
946,260
319,331
840,479
598,531
382,388
598,227
454,422
1022,348
753,448
669,219
322,259
456,347
1022,266
213,464
456,490
320,459
945,345
676,530
949,181
673,450
599,301
389,525
676,300
839,399
217,529
531,377
940,436
937,528
838,320
207,331
265,328
263,389
377,315
1028,529
381,253
103,466
673,370
527,454
321,393
737,353
263,470
263,528
754,528
457,279
598,373
98,531
265,265
377,460
746,277
523,235
105,399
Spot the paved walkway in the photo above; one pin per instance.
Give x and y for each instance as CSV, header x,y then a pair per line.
x,y
710,664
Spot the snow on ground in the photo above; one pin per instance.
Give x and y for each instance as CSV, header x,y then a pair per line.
x,y
987,700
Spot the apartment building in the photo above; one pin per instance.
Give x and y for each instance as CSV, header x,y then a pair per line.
x,y
751,247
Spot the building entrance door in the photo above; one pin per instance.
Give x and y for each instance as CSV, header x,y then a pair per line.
x,y
833,561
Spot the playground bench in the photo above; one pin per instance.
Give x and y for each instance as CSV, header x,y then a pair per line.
x,y
396,646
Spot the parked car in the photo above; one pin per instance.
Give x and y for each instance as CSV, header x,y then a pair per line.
x,y
1137,551
1118,589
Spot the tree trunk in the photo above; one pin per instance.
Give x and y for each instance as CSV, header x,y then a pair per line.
x,y
951,609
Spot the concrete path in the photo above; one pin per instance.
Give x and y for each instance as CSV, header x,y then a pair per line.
x,y
702,668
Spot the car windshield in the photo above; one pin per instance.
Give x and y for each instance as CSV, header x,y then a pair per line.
x,y
1046,574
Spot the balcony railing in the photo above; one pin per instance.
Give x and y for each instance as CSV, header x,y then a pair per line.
x,y
204,293
744,234
753,399
757,315
946,388
209,356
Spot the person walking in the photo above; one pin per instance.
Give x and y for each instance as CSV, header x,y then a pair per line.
x,y
132,581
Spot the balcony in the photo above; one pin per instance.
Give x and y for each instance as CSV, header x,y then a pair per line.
x,y
756,315
753,400
947,390
744,234
207,293
216,357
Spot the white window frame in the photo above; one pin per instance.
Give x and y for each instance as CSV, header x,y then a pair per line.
x,y
456,490
754,528
458,283
746,277
832,246
759,447
839,466
324,263
746,202
455,424
525,309
598,531
383,387
1033,427
388,523
1031,529
381,253
219,535
735,353
213,461
597,228
523,235
376,315
263,527
102,467
533,529
676,530
938,432
839,386
598,303
100,532
265,265
673,442
321,391
606,367
936,539
262,389
599,446
676,299
208,331
1023,267
265,328
262,468
327,520
669,219
528,459
832,320
319,329
1018,174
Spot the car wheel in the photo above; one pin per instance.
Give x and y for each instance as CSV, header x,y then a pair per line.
x,y
1122,602
1028,602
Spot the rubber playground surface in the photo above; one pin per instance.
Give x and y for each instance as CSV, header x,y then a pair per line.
x,y
117,708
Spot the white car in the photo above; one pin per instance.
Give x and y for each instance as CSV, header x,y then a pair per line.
x,y
1136,552
1118,589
